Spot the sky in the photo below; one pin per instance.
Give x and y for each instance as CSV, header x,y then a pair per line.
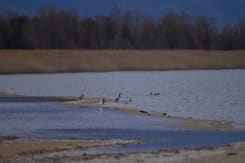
x,y
226,12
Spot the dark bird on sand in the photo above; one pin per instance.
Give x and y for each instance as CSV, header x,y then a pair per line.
x,y
117,99
142,111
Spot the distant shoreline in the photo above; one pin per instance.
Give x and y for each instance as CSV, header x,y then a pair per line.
x,y
71,61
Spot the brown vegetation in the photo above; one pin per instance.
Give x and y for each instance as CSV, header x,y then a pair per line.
x,y
52,61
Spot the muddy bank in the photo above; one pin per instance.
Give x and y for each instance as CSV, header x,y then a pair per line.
x,y
6,94
12,97
23,150
226,154
53,61
14,149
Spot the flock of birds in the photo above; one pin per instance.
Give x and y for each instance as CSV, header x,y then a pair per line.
x,y
118,98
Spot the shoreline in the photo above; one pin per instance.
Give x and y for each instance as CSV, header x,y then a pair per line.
x,y
111,71
12,148
40,150
225,154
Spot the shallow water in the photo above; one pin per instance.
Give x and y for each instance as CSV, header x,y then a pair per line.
x,y
26,119
160,140
209,94
51,120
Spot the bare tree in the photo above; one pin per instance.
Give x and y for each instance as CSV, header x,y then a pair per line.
x,y
59,29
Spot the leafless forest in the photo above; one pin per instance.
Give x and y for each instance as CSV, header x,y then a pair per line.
x,y
58,29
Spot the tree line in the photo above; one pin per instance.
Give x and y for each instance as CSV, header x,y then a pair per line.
x,y
59,29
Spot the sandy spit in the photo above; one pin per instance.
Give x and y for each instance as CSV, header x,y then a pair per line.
x,y
189,123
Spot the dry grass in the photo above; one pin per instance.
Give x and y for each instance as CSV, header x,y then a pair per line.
x,y
51,61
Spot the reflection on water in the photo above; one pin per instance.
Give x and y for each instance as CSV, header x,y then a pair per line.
x,y
202,94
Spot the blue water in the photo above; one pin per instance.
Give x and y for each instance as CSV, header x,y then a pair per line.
x,y
205,94
25,118
50,120
154,139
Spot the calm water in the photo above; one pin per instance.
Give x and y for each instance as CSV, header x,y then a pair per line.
x,y
27,119
161,140
207,94
51,120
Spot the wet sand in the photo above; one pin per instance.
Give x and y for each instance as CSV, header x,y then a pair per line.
x,y
31,150
189,123
234,153
5,96
13,149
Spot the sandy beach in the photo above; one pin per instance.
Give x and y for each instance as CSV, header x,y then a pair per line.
x,y
31,150
233,153
21,150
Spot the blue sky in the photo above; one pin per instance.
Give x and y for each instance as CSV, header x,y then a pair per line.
x,y
225,11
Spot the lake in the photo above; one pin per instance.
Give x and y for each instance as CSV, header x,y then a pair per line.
x,y
208,94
